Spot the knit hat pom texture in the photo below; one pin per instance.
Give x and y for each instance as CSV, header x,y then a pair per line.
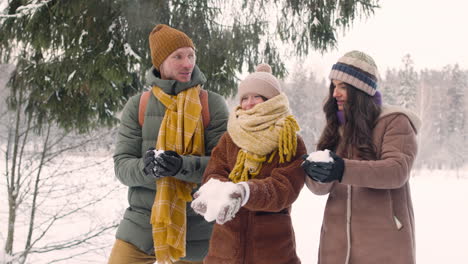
x,y
260,82
263,67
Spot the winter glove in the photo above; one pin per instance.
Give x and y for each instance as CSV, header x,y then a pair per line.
x,y
220,201
150,163
324,171
199,205
229,209
160,165
168,163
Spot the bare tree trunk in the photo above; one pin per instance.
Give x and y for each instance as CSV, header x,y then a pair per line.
x,y
32,218
12,182
32,179
30,183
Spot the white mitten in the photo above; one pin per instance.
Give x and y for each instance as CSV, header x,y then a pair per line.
x,y
199,204
205,199
220,201
237,194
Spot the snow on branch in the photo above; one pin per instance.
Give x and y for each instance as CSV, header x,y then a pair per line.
x,y
129,52
26,10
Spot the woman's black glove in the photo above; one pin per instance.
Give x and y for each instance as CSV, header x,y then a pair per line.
x,y
324,171
165,164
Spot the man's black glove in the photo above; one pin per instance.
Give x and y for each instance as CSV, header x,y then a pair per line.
x,y
324,171
150,162
168,163
165,164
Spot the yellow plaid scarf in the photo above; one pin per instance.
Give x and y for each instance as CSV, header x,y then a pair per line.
x,y
181,131
267,128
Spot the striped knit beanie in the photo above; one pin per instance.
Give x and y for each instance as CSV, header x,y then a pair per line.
x,y
261,82
357,69
164,40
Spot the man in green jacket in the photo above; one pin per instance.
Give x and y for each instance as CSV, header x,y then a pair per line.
x,y
140,167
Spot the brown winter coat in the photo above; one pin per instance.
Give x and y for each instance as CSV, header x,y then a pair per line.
x,y
374,198
261,232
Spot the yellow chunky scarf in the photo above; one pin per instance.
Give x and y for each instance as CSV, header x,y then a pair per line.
x,y
267,128
181,131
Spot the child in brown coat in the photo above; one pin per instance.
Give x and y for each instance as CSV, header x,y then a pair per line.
x,y
253,177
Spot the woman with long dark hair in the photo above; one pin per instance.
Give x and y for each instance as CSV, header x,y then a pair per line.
x,y
364,158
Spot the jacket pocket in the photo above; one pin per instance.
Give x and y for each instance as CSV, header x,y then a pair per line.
x,y
225,242
398,224
395,219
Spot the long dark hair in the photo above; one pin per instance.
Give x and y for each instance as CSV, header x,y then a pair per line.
x,y
361,113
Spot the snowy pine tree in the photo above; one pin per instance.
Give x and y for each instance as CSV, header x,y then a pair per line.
x,y
457,87
406,95
389,87
456,116
306,96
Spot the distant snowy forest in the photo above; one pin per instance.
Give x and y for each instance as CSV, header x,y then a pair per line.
x,y
438,97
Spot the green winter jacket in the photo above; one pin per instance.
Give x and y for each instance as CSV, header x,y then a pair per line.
x,y
132,143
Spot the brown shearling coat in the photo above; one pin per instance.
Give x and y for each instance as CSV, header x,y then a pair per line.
x,y
369,217
261,232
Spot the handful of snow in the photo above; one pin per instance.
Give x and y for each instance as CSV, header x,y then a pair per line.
x,y
158,152
215,194
320,156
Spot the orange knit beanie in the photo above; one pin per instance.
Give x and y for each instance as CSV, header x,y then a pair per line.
x,y
164,40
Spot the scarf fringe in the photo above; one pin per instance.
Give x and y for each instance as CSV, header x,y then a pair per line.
x,y
288,139
240,172
248,165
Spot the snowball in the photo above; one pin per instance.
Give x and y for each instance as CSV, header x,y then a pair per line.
x,y
158,152
320,156
216,195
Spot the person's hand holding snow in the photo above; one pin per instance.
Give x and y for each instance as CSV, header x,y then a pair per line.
x,y
160,163
323,166
220,201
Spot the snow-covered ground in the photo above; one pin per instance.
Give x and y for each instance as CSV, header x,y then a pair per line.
x,y
440,201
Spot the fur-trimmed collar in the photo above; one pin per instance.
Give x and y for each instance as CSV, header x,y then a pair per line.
x,y
392,109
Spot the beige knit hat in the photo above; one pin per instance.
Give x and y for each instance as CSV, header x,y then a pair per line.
x,y
164,40
261,82
358,69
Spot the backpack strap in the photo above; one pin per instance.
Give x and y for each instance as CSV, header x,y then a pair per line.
x,y
203,100
205,108
142,107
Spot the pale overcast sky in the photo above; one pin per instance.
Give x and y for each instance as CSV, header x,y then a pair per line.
x,y
433,32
